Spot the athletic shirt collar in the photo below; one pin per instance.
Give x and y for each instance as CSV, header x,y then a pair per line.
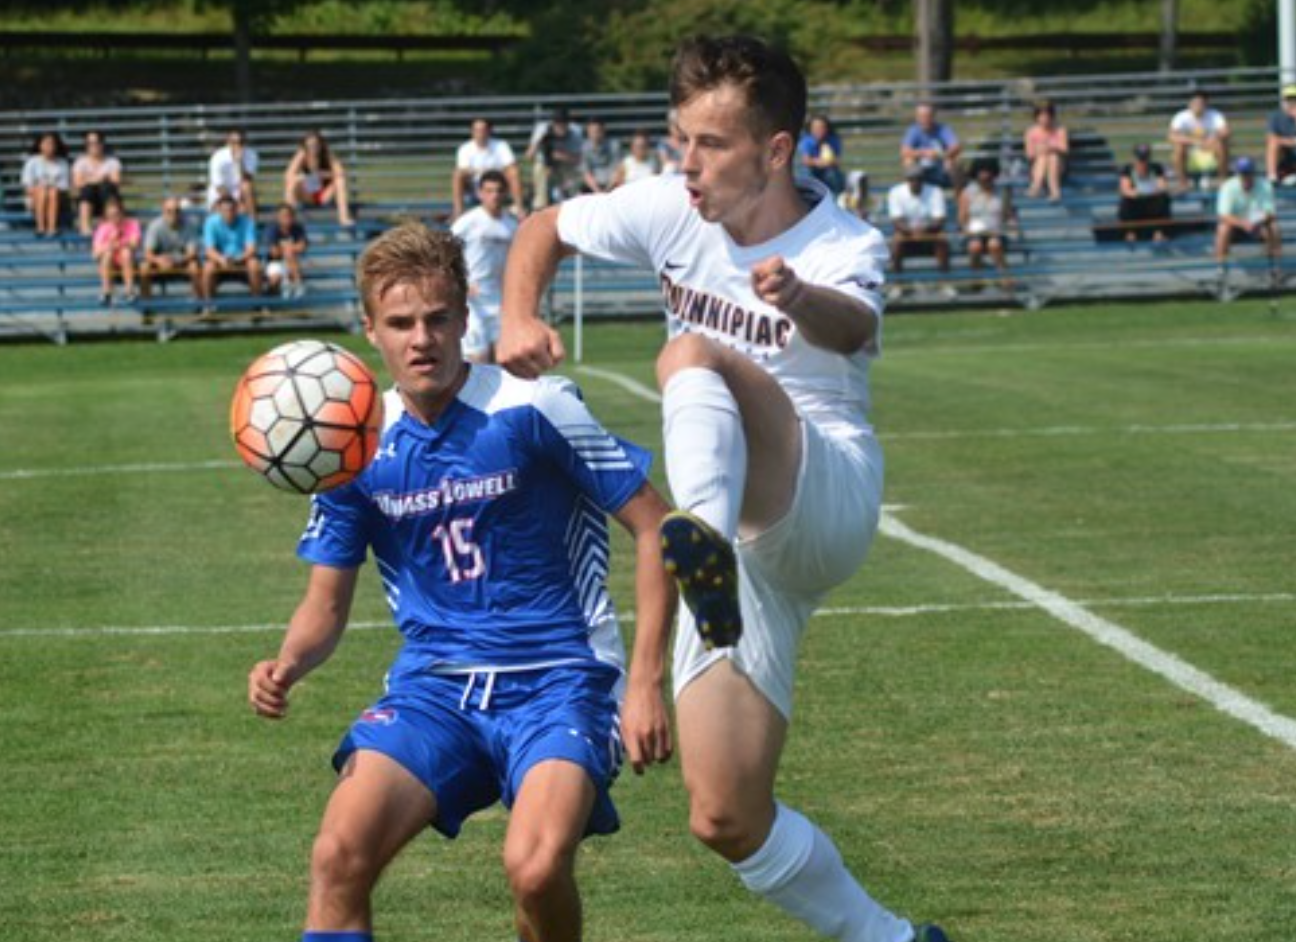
x,y
820,202
445,421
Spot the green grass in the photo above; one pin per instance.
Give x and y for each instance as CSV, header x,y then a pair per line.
x,y
989,767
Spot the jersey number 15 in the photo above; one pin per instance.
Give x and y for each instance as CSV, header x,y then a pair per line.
x,y
463,557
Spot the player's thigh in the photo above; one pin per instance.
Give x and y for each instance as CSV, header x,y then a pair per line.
x,y
730,739
549,814
377,807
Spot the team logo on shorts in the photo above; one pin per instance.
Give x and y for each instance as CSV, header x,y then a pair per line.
x,y
381,717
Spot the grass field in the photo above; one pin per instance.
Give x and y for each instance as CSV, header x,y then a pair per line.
x,y
978,760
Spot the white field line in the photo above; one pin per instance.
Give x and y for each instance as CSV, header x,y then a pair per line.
x,y
1162,663
867,611
625,382
23,474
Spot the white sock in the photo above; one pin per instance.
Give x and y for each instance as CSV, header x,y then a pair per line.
x,y
706,450
799,870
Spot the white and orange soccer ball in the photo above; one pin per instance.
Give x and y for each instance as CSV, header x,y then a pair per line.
x,y
307,416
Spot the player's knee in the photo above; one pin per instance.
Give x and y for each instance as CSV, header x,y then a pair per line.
x,y
723,830
338,865
535,872
684,351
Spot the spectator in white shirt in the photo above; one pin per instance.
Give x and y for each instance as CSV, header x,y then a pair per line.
x,y
45,182
480,153
1200,137
232,172
917,213
641,162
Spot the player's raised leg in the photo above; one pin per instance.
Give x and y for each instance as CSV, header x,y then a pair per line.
x,y
375,810
547,822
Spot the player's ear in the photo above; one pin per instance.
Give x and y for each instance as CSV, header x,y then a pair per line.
x,y
780,149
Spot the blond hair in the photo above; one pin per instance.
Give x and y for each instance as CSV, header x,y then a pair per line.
x,y
410,253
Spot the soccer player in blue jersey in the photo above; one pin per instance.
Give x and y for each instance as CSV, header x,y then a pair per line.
x,y
485,512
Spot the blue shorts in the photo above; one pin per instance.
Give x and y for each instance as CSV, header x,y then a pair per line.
x,y
472,738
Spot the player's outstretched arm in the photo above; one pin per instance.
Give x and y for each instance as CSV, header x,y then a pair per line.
x,y
827,318
313,633
645,723
528,346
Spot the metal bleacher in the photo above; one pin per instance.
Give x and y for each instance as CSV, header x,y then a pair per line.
x,y
398,154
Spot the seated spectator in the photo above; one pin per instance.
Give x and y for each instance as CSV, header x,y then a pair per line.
x,y
641,162
855,198
820,153
670,150
483,151
1280,141
45,182
1200,137
116,240
1047,148
170,250
932,147
556,149
916,209
985,215
1144,197
96,175
315,177
1245,206
231,171
229,247
285,244
600,156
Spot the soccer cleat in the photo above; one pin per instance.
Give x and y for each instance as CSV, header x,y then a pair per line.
x,y
929,932
704,565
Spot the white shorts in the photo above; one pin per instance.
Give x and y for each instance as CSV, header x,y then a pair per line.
x,y
785,571
483,328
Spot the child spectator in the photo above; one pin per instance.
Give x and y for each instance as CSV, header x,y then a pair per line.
x,y
45,182
231,171
855,198
116,239
170,249
820,152
640,163
1047,148
96,175
285,243
1144,197
315,177
1200,137
600,156
229,247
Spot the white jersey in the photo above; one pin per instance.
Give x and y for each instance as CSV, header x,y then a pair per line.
x,y
486,243
496,155
705,280
224,172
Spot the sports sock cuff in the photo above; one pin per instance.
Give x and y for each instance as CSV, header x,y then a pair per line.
x,y
324,936
697,386
785,852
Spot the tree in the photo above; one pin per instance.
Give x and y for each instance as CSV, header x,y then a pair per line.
x,y
934,40
1169,35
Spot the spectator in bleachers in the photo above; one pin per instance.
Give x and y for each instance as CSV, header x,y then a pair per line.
x,y
1200,137
985,215
1047,146
855,198
229,247
641,162
115,242
482,152
820,153
231,171
1144,197
285,243
170,249
600,157
96,175
916,209
1280,141
670,151
1245,206
486,232
316,177
556,149
933,147
45,183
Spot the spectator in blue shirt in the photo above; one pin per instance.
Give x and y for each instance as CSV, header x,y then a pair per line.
x,y
1280,141
820,152
285,243
934,147
229,247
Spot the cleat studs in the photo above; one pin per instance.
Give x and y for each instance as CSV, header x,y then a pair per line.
x,y
696,536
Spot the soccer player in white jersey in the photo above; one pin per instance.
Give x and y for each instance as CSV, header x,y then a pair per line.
x,y
486,231
485,512
774,308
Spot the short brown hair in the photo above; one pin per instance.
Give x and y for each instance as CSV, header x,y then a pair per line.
x,y
770,81
410,252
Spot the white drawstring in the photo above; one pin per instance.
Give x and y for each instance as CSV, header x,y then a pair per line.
x,y
486,694
486,691
468,688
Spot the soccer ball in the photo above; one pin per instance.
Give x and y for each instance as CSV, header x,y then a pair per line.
x,y
307,416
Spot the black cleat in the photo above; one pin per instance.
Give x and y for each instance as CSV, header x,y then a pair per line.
x,y
929,932
703,563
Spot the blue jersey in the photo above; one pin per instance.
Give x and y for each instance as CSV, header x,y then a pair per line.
x,y
489,527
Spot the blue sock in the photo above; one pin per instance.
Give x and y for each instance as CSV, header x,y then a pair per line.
x,y
349,936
